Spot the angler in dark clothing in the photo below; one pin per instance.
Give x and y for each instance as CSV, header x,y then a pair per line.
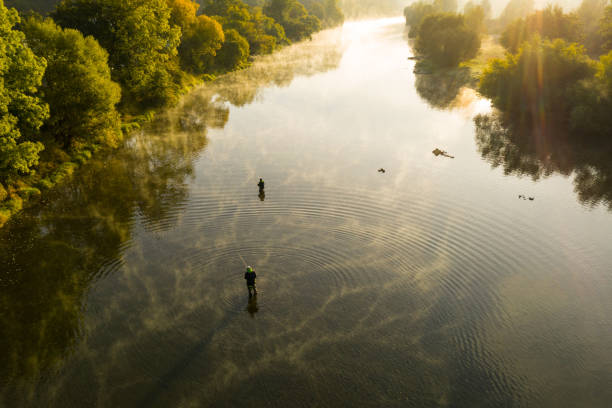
x,y
261,185
250,276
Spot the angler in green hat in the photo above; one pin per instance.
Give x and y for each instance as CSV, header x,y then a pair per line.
x,y
250,276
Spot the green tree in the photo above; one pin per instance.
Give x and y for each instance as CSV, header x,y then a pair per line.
x,y
294,18
475,17
201,36
541,79
77,84
327,11
446,40
234,53
415,13
263,34
605,30
549,23
141,42
21,111
589,14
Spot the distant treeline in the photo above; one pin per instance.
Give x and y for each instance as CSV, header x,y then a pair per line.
x,y
75,75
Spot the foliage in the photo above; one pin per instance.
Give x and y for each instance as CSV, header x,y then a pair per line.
x,y
77,84
549,23
446,40
21,111
606,29
234,54
485,5
140,40
589,14
541,79
475,18
327,11
263,34
415,13
294,18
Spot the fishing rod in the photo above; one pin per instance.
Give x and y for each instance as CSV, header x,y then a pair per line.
x,y
242,259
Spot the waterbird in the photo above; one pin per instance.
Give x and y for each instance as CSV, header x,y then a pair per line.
x,y
381,170
531,198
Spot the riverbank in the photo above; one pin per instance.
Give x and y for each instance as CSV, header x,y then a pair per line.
x,y
56,165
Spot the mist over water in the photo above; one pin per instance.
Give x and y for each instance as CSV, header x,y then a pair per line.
x,y
428,285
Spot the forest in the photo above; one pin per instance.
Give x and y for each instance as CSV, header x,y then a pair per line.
x,y
77,75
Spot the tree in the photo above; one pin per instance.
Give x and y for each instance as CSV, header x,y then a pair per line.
x,y
294,18
141,42
327,11
605,30
541,79
446,40
475,17
77,84
21,111
549,23
415,13
263,34
234,53
589,14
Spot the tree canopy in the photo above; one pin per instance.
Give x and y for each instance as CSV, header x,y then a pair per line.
x,y
446,40
21,111
541,79
549,23
263,34
77,84
140,41
294,18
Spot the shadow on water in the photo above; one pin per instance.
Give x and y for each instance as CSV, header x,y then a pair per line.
x,y
441,88
524,150
52,255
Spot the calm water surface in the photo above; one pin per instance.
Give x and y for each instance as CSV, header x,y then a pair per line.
x,y
429,285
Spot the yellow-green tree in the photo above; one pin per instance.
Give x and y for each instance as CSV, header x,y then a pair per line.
x,y
446,40
549,23
294,18
141,42
77,85
263,34
542,78
21,111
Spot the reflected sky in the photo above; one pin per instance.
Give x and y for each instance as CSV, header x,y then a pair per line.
x,y
428,285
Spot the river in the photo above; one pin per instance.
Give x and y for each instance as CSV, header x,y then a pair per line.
x,y
431,284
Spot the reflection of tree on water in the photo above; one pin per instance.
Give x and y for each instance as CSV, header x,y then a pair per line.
x,y
50,255
521,150
441,88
